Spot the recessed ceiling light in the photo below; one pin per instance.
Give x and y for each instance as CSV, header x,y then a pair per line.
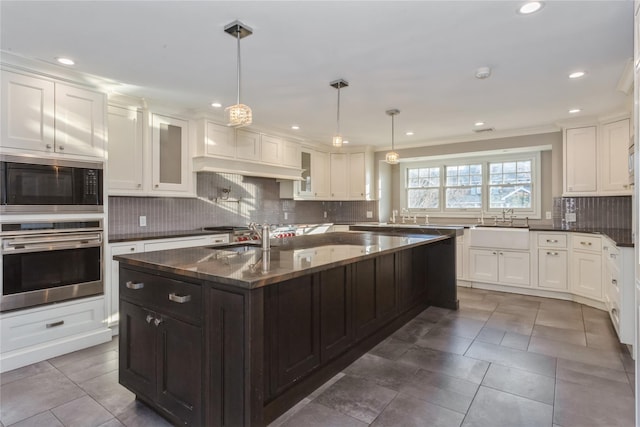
x,y
530,7
409,133
479,123
295,127
576,74
216,105
65,61
574,110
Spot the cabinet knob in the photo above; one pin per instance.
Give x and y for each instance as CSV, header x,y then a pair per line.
x,y
149,318
494,253
180,299
157,185
552,253
140,185
586,243
157,321
614,281
49,146
61,148
552,241
132,249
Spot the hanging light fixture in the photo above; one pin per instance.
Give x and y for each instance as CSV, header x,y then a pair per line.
x,y
238,115
338,84
392,157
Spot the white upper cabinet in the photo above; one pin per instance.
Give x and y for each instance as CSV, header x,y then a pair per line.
x,y
339,176
614,153
290,154
125,159
271,149
321,175
50,117
80,121
360,177
580,160
219,140
27,112
596,160
247,145
170,155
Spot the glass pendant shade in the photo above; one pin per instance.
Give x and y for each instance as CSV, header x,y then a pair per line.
x,y
238,115
392,158
337,141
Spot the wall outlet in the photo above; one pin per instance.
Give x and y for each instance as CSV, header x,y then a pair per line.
x,y
548,215
570,217
143,221
286,216
369,214
325,214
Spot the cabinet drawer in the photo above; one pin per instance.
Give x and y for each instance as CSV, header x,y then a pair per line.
x,y
552,240
586,243
181,299
43,324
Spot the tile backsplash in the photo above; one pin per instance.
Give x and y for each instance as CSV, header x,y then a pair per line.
x,y
229,199
592,212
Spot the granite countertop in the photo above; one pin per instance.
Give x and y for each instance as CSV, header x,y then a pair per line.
x,y
249,267
131,237
421,228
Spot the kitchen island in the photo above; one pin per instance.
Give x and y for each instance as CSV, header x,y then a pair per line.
x,y
235,336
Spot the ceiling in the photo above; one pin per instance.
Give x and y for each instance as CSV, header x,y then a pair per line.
x,y
417,56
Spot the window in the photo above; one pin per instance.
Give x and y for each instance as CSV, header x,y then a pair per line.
x,y
468,186
463,189
423,188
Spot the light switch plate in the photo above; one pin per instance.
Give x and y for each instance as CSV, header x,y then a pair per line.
x,y
286,216
548,215
143,221
369,214
570,217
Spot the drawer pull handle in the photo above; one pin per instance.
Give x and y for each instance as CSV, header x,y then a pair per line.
x,y
157,321
612,256
149,318
180,299
552,253
134,286
552,241
586,243
54,324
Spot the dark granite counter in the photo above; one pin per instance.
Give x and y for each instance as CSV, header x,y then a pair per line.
x,y
621,236
132,237
249,267
428,229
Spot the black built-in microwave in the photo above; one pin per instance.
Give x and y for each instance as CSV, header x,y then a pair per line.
x,y
38,185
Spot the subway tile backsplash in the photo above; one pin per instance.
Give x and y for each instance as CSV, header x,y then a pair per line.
x,y
229,199
592,212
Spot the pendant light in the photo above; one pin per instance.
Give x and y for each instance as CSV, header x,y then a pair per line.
x,y
338,84
238,115
392,157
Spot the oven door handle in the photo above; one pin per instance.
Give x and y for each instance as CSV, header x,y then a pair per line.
x,y
39,244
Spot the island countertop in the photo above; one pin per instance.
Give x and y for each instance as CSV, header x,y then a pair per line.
x,y
250,267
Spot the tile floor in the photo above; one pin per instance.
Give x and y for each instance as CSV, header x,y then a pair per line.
x,y
501,360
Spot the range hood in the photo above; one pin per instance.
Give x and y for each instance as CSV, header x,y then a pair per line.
x,y
246,168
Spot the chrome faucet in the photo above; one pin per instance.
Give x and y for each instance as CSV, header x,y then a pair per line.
x,y
262,231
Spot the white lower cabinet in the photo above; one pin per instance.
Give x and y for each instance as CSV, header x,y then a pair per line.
x,y
112,279
552,269
39,333
499,266
586,266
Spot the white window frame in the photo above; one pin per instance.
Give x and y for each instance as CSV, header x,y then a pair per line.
x,y
442,211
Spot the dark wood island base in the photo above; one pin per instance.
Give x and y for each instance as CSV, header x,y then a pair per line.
x,y
204,352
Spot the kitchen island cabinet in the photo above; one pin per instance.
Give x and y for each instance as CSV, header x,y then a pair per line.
x,y
267,328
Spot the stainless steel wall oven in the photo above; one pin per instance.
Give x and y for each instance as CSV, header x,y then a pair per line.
x,y
44,262
35,185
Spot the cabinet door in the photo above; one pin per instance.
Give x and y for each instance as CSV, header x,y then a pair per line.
x,y
137,343
552,269
27,112
410,276
294,314
321,175
586,274
170,168
304,188
357,177
336,331
614,153
247,145
112,292
483,265
513,268
374,293
220,140
290,154
580,160
271,149
125,160
339,176
80,121
179,369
